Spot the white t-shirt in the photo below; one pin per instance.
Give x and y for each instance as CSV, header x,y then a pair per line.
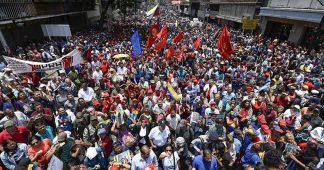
x,y
159,138
208,111
86,95
168,162
97,76
173,120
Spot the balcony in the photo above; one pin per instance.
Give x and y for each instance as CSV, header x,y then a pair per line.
x,y
11,9
17,9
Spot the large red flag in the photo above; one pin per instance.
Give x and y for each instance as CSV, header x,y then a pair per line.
x,y
163,33
162,44
180,53
178,37
224,44
197,43
153,30
170,53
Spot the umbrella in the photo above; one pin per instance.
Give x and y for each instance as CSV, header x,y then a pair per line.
x,y
117,56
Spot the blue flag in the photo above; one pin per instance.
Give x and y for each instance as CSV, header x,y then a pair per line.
x,y
136,44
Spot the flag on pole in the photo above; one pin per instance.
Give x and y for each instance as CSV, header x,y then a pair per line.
x,y
153,30
216,33
224,44
170,53
173,93
136,45
162,44
197,43
153,12
163,33
180,53
178,37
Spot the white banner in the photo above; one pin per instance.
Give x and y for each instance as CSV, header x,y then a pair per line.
x,y
23,66
56,30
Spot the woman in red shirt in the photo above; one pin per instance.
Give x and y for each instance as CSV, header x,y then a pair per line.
x,y
41,151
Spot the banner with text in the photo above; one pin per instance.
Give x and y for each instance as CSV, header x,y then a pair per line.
x,y
23,66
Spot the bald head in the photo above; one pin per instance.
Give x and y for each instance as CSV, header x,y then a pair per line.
x,y
145,151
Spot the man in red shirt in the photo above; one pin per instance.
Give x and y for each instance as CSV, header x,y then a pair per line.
x,y
104,67
19,134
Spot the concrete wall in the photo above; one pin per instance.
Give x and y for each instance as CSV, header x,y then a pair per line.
x,y
300,4
237,11
296,33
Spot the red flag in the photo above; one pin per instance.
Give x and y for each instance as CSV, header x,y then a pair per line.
x,y
162,44
180,54
153,30
178,37
150,41
163,33
224,44
170,53
197,43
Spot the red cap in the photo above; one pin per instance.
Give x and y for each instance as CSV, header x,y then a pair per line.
x,y
282,122
249,88
261,119
95,102
265,129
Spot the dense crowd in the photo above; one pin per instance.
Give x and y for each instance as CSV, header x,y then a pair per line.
x,y
262,108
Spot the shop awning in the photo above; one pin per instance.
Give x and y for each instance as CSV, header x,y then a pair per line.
x,y
308,15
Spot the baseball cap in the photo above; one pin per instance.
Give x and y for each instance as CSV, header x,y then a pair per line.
x,y
282,122
101,131
93,118
180,141
261,119
278,129
296,107
266,129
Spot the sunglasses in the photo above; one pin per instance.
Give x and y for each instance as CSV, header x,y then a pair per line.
x,y
35,143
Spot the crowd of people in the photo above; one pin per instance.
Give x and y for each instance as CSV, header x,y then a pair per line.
x,y
262,108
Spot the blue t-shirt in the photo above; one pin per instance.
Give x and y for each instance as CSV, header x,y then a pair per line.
x,y
200,164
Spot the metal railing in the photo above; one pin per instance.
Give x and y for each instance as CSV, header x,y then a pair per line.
x,y
11,9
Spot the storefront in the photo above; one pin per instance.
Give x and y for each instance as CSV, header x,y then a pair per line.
x,y
295,25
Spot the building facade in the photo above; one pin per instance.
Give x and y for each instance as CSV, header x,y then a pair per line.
x,y
21,20
294,20
228,12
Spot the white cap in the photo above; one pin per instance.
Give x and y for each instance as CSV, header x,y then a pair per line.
x,y
91,153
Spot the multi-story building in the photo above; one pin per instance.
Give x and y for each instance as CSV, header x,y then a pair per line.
x,y
21,20
228,12
182,6
294,20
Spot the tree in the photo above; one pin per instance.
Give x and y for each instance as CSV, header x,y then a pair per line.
x,y
106,4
